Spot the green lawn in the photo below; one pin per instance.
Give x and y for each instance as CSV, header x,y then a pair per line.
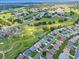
x,y
30,15
28,37
0,56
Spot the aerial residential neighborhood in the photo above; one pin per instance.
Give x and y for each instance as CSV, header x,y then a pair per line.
x,y
39,29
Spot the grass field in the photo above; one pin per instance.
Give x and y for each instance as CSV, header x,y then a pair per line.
x,y
31,34
28,37
26,40
0,56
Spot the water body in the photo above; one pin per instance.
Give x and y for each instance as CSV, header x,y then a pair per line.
x,y
12,6
5,7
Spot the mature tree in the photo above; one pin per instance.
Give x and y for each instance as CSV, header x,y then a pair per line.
x,y
65,19
52,28
49,22
72,13
77,19
45,28
60,20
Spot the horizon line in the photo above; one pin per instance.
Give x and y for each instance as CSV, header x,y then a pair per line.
x,y
39,2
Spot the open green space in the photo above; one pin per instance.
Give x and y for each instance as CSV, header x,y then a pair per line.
x,y
29,37
1,56
32,32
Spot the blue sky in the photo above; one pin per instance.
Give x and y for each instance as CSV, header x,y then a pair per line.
x,y
36,0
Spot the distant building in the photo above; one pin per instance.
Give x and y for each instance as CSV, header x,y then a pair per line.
x,y
77,53
60,11
63,56
20,56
